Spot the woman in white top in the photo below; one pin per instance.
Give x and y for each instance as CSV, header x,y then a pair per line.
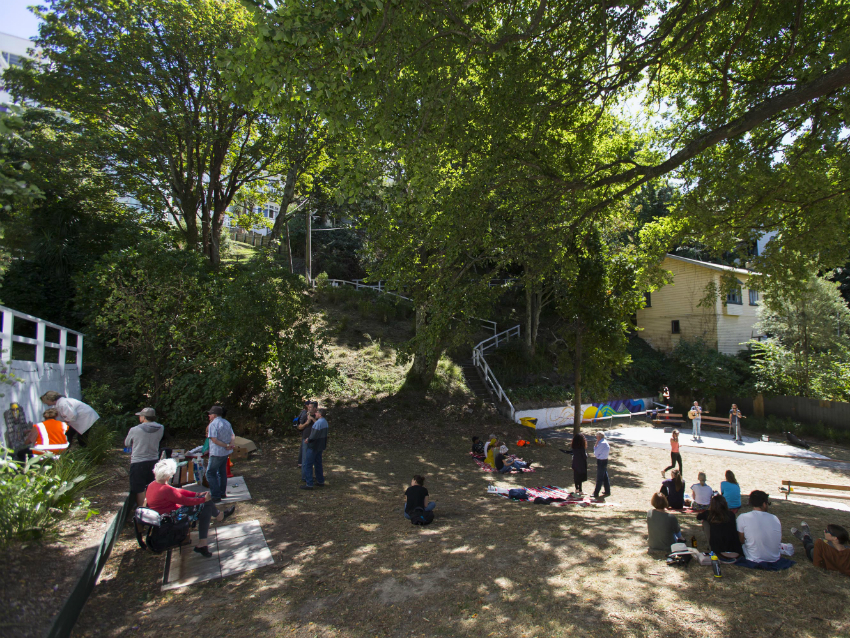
x,y
78,415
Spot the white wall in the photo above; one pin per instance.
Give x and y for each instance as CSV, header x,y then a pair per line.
x,y
14,45
564,415
35,383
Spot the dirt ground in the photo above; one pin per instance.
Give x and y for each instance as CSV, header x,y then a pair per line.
x,y
38,576
348,564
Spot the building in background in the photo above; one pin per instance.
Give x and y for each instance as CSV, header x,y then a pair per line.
x,y
686,309
12,51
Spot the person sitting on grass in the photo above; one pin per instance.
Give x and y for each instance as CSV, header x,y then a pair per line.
x,y
417,496
731,491
829,552
490,449
760,533
164,498
721,530
504,465
663,527
674,489
477,446
701,493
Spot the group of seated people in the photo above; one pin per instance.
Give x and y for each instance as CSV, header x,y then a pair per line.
x,y
756,535
701,493
495,454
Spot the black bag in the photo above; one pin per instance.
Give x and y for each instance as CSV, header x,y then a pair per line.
x,y
163,531
518,493
420,516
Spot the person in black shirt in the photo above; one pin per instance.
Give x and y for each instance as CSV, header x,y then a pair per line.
x,y
477,446
718,522
417,496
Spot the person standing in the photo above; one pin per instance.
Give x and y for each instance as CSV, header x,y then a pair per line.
x,y
695,413
306,420
579,463
315,443
143,440
220,434
78,415
601,451
675,455
735,417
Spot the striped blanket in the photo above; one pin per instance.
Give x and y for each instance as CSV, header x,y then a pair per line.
x,y
564,497
479,461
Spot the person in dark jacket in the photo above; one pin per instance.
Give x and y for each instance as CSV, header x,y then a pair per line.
x,y
674,489
315,444
579,464
721,530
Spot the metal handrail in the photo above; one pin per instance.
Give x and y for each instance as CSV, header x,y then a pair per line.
x,y
8,337
480,362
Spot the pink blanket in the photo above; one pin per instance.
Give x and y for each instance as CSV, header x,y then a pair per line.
x,y
479,460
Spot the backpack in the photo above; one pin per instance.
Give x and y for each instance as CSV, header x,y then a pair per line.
x,y
419,516
163,531
518,493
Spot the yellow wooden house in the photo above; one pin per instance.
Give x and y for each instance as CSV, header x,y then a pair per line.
x,y
685,308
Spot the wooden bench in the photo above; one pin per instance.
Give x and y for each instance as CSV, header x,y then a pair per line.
x,y
790,487
668,418
716,422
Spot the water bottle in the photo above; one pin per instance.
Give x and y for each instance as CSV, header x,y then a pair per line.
x,y
715,565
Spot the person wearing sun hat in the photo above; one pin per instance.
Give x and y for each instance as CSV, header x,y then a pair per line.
x,y
143,440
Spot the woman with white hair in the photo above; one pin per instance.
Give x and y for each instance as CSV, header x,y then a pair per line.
x,y
164,498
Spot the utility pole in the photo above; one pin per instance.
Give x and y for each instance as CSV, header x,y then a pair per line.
x,y
308,265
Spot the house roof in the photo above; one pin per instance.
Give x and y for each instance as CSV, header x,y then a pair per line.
x,y
720,267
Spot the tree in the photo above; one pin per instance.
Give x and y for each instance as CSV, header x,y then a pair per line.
x,y
179,132
701,372
808,345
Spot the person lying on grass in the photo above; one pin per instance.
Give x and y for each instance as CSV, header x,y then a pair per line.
x,y
701,493
504,465
417,496
829,552
721,531
662,526
674,489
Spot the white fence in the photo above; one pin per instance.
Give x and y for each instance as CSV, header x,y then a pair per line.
x,y
42,345
481,363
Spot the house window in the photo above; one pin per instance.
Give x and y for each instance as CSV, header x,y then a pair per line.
x,y
647,298
754,297
674,325
735,297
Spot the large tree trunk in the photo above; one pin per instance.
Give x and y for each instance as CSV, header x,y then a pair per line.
x,y
535,320
529,311
577,412
308,254
215,239
425,359
289,248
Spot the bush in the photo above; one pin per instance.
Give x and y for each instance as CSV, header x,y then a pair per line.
x,y
241,336
34,494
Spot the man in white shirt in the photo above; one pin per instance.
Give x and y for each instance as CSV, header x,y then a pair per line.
x,y
760,532
601,451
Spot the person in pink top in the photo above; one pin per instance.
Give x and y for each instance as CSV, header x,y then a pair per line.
x,y
164,498
675,456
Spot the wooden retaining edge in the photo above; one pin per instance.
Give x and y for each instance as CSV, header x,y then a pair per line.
x,y
781,456
67,617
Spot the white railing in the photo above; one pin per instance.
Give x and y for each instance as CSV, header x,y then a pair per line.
x,y
8,337
480,362
381,287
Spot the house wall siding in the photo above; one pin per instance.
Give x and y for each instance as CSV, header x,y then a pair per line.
x,y
736,324
679,301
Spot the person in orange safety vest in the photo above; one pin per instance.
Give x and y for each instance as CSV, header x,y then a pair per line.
x,y
47,436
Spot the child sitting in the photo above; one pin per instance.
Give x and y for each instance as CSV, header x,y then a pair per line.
x,y
477,446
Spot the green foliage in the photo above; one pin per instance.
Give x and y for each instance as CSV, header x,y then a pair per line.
x,y
15,189
701,372
35,494
240,336
807,352
780,425
448,379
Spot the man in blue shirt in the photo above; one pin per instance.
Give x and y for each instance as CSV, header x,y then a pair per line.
x,y
315,443
220,434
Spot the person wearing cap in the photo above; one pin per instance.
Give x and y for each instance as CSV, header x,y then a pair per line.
x,y
759,531
221,435
143,440
78,415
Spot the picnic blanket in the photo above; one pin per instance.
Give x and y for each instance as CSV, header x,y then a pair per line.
x,y
782,563
479,461
560,497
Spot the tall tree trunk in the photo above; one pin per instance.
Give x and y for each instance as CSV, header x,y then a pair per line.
x,y
288,194
535,323
529,311
577,411
289,248
215,238
425,359
308,260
